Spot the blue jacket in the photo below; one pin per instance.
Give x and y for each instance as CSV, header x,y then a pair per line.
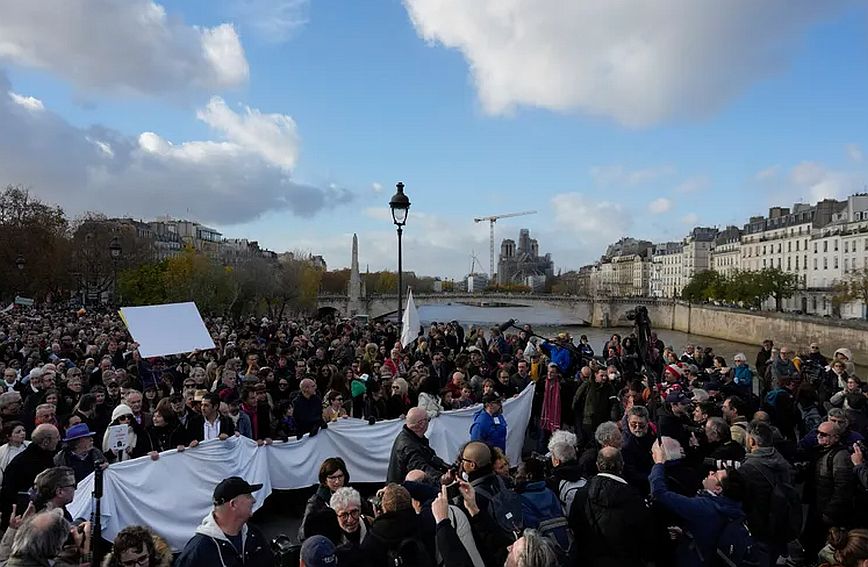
x,y
487,430
705,516
742,375
559,355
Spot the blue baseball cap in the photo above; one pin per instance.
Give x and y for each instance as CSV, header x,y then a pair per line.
x,y
319,551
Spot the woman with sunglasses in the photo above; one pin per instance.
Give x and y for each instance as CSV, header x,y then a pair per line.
x,y
137,546
335,408
138,442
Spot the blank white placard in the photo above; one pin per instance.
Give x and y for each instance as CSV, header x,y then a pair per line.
x,y
167,329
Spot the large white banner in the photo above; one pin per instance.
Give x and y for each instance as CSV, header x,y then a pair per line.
x,y
173,494
167,329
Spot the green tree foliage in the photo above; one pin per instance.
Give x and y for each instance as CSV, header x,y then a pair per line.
x,y
854,287
748,288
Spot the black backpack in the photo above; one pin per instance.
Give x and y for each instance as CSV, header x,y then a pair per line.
x,y
785,511
410,552
505,506
735,546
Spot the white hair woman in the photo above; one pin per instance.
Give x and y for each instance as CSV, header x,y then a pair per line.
x,y
347,504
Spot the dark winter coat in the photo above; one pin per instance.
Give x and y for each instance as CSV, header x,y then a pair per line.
x,y
832,486
19,476
761,468
607,513
210,546
636,452
386,533
411,452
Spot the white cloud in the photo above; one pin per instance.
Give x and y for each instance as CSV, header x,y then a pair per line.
x,y
272,136
129,47
854,152
768,173
659,206
376,187
690,219
28,102
637,62
592,221
226,181
820,182
274,21
693,184
618,175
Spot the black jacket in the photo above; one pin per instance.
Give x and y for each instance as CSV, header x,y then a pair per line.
x,y
833,486
636,452
761,468
411,452
196,427
386,533
19,476
211,547
611,524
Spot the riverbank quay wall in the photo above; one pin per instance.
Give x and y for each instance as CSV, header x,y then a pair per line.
x,y
751,327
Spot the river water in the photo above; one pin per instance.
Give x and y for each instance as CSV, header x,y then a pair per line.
x,y
548,322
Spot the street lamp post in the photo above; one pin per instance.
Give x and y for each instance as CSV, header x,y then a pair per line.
x,y
20,262
400,205
115,249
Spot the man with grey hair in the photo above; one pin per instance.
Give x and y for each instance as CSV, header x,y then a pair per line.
x,y
607,434
41,539
720,446
839,417
532,549
55,488
22,470
347,504
608,511
566,477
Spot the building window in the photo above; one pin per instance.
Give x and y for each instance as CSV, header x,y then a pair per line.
x,y
797,263
779,247
835,262
846,247
797,244
764,262
789,246
814,301
825,263
815,247
764,250
836,244
825,246
815,263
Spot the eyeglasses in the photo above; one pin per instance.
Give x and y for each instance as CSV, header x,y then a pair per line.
x,y
335,476
125,418
396,387
139,561
354,513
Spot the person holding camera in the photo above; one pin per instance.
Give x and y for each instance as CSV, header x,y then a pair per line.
x,y
47,538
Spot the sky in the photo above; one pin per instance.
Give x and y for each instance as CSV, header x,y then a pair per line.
x,y
289,122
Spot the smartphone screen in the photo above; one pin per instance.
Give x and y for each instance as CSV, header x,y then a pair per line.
x,y
21,502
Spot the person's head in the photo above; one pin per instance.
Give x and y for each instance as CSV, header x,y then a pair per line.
x,y
838,416
522,367
46,436
308,388
637,420
562,446
739,359
333,473
457,378
854,384
210,405
679,403
552,371
395,498
399,387
134,401
532,549
717,430
347,504
759,434
233,501
828,434
335,399
73,380
41,537
10,375
733,407
45,413
55,485
703,410
492,403
10,403
850,547
14,432
768,344
672,448
610,460
601,375
475,456
134,547
608,435
417,421
163,415
500,463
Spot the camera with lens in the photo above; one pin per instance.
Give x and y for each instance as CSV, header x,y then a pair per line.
x,y
286,553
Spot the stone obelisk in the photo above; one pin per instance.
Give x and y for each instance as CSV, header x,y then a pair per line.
x,y
354,293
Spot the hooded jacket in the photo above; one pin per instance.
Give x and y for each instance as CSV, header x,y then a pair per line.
x,y
490,429
211,547
704,515
760,469
606,514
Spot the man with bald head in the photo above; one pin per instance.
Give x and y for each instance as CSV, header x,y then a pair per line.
x,y
412,451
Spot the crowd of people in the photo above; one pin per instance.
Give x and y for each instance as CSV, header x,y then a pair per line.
x,y
634,457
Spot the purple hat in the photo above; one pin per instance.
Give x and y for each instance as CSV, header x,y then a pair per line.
x,y
78,431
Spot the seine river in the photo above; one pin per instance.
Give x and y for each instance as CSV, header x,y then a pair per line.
x,y
548,322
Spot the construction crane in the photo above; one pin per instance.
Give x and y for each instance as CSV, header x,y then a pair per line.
x,y
493,219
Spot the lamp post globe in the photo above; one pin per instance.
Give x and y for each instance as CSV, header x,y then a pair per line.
x,y
400,205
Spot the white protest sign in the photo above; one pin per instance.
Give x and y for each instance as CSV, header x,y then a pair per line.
x,y
167,329
118,437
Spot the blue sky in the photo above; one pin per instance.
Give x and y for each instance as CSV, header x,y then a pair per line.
x,y
290,121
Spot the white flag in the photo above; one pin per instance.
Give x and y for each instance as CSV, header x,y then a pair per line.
x,y
410,323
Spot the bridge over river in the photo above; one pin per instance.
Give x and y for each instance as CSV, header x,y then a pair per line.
x,y
577,310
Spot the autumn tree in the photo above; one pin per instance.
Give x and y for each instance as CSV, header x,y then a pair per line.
x,y
853,287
